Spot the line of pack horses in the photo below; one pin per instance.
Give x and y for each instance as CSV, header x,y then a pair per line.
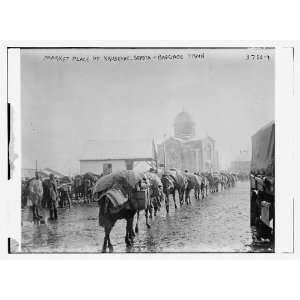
x,y
202,183
166,186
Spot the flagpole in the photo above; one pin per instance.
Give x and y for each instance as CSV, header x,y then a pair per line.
x,y
164,148
154,153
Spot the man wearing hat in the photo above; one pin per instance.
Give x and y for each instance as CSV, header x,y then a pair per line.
x,y
53,197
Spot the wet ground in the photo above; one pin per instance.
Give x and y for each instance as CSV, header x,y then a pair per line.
x,y
219,223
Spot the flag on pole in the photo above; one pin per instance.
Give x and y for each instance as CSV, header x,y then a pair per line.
x,y
154,150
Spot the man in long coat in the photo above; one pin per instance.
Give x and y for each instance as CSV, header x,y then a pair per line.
x,y
53,191
35,195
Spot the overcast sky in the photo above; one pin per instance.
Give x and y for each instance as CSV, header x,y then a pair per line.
x,y
64,104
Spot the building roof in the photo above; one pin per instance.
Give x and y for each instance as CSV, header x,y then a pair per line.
x,y
117,149
30,173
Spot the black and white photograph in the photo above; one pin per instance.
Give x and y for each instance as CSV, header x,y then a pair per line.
x,y
147,150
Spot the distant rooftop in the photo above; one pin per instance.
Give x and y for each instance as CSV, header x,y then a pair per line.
x,y
51,171
30,173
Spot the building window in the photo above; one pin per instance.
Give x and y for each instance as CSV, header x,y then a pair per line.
x,y
129,164
107,168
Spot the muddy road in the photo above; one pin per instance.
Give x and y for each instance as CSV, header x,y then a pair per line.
x,y
219,223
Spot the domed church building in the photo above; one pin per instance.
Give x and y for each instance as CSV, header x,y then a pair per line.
x,y
184,126
184,151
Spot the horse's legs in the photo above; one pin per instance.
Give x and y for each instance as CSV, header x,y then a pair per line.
x,y
128,236
69,199
189,198
195,193
110,246
155,205
159,200
104,246
131,232
174,198
146,215
181,196
167,202
107,227
186,196
155,210
137,222
150,208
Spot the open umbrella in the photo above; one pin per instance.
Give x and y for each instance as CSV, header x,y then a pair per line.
x,y
130,177
126,178
104,183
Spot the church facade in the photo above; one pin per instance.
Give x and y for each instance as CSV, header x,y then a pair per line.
x,y
184,151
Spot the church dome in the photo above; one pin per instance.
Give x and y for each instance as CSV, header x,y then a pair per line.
x,y
183,117
184,126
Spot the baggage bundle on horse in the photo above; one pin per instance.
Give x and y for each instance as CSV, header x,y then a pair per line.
x,y
123,188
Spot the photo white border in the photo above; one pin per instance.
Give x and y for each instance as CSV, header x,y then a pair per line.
x,y
286,161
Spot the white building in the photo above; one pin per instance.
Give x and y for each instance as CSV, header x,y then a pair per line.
x,y
115,155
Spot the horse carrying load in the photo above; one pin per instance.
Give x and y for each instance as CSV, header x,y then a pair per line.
x,y
121,195
262,179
